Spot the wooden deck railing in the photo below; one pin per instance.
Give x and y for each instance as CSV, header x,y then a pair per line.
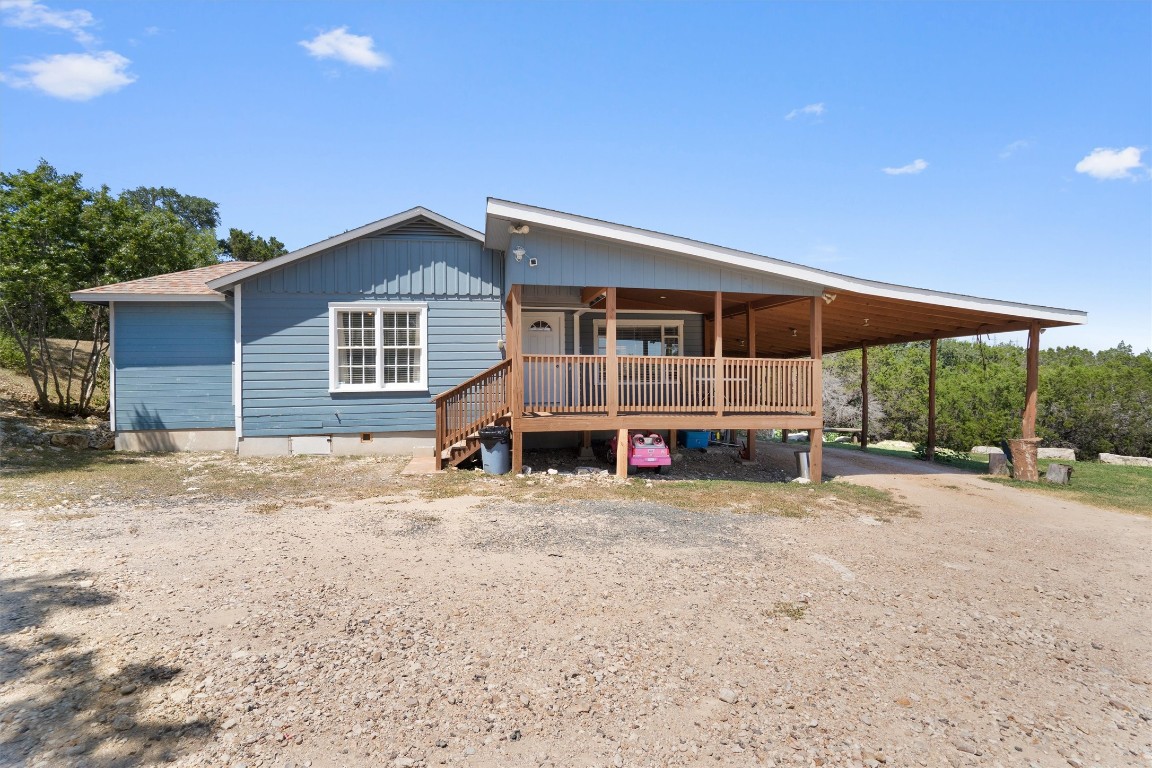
x,y
560,384
475,403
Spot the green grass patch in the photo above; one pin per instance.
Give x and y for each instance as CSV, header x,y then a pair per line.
x,y
1101,485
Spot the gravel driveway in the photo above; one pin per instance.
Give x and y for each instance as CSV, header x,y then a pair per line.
x,y
996,628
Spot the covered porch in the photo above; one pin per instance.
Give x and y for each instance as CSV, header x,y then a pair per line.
x,y
658,332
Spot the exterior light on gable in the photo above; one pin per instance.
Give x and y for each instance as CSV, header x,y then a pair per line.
x,y
865,322
519,252
793,332
516,228
829,298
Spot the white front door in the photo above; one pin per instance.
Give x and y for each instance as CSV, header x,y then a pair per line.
x,y
545,383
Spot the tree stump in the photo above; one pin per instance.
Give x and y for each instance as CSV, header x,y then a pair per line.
x,y
1024,459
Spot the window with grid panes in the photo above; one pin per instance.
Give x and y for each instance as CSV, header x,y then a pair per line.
x,y
378,347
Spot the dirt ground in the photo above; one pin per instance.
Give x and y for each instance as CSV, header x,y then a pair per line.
x,y
995,628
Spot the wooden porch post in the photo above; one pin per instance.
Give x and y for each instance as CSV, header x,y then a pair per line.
x,y
863,397
515,353
816,351
612,379
930,450
718,349
1028,425
750,453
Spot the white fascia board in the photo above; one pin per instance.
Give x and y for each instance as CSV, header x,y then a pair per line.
x,y
500,211
347,237
102,298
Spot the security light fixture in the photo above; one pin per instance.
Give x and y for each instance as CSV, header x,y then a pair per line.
x,y
828,298
519,252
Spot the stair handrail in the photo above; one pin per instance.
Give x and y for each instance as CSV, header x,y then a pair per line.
x,y
455,420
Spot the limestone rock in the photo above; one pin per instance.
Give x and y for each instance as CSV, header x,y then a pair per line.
x,y
1130,461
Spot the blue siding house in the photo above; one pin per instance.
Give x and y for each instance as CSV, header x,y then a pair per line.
x,y
410,333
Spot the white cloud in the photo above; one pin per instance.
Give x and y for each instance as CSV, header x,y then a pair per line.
x,y
1103,163
914,167
1014,147
812,109
28,14
357,50
74,76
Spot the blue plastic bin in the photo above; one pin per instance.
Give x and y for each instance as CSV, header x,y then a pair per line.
x,y
696,438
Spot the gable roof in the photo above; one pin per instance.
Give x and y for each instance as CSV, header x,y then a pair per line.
x,y
502,214
189,285
376,227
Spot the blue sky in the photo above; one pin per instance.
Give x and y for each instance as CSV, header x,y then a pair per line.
x,y
1000,150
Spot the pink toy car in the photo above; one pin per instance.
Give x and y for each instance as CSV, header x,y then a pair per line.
x,y
644,450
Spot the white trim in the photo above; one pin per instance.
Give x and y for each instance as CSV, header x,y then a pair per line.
x,y
237,366
100,298
112,367
500,211
352,234
376,307
598,323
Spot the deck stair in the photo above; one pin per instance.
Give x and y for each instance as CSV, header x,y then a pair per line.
x,y
461,412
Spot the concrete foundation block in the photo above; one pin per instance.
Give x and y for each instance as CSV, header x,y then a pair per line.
x,y
170,440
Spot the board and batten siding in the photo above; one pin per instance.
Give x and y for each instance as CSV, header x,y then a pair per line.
x,y
285,333
574,260
173,365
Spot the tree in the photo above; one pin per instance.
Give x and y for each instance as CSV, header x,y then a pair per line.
x,y
244,246
42,250
57,237
197,213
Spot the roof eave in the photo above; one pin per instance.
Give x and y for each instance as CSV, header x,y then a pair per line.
x,y
508,211
104,298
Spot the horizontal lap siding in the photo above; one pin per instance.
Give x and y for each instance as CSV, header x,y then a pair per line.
x,y
286,334
173,365
570,260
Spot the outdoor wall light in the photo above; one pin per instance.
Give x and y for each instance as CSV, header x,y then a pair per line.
x,y
793,332
519,252
829,298
865,322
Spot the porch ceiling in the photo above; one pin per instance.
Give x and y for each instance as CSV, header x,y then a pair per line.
x,y
850,320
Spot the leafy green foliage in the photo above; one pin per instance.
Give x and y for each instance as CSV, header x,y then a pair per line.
x,y
56,236
1093,402
244,246
10,355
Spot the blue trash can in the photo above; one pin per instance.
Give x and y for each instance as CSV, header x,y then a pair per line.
x,y
496,449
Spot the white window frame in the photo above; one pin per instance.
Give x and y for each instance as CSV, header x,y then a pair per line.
x,y
631,323
376,308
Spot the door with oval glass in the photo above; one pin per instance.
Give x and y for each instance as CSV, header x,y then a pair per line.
x,y
545,381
